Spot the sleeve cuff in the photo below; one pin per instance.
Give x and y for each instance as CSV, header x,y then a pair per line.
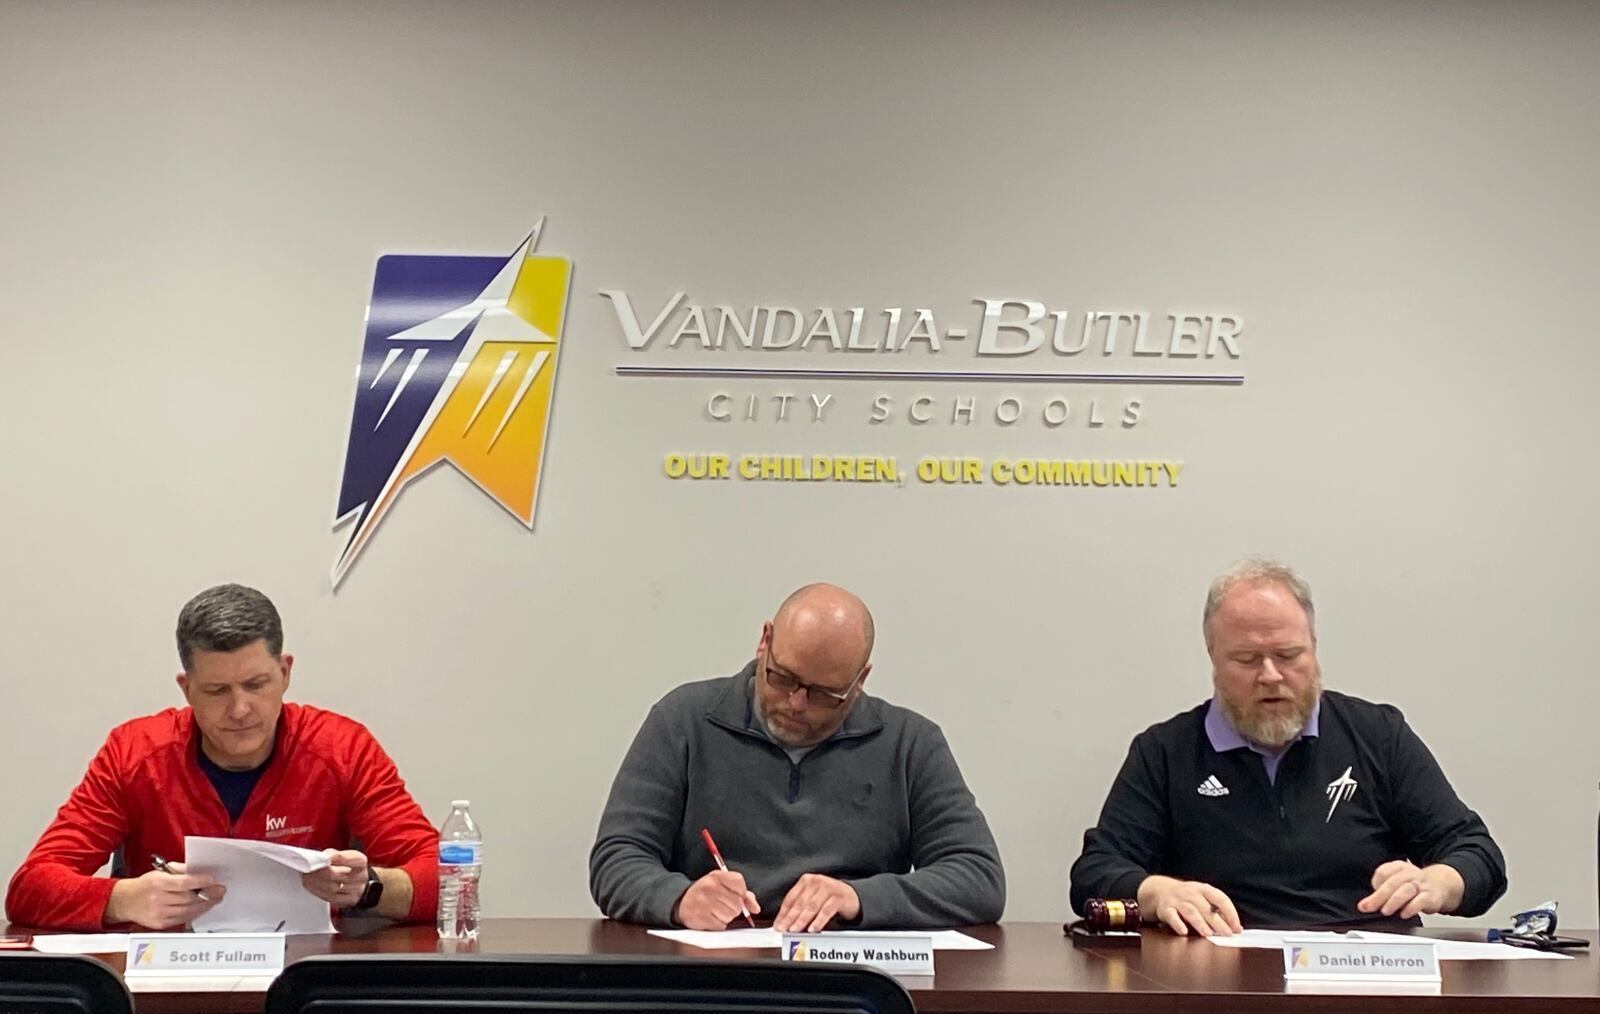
x,y
664,899
424,874
873,894
1477,883
1127,885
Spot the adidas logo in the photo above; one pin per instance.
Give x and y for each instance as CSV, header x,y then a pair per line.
x,y
1212,787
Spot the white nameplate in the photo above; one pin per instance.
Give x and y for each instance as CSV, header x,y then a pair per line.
x,y
897,955
205,953
1321,959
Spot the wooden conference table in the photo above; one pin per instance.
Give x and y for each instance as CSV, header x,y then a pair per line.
x,y
1032,970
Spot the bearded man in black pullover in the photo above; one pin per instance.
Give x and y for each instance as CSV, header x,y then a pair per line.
x,y
1278,804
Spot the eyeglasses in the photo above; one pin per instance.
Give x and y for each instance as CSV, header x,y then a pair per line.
x,y
822,697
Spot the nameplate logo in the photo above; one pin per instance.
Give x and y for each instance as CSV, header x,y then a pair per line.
x,y
1320,959
897,955
177,953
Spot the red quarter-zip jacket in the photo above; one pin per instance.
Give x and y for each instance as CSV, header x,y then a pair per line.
x,y
329,785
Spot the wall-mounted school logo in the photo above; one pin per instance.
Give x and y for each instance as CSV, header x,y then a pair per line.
x,y
458,365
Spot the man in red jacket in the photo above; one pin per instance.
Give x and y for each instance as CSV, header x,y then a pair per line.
x,y
238,763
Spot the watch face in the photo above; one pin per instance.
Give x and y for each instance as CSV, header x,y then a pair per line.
x,y
374,891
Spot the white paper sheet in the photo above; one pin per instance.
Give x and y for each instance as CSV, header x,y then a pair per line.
x,y
302,860
1272,939
264,893
722,940
81,943
1448,950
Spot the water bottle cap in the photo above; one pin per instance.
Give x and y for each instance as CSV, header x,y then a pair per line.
x,y
460,804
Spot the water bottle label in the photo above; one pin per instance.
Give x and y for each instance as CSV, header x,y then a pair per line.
x,y
458,853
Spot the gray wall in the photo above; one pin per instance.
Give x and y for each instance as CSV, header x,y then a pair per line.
x,y
1398,199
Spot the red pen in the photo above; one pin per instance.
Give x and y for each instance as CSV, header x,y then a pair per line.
x,y
706,834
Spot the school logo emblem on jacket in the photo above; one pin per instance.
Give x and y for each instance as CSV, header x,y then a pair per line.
x,y
458,365
1339,790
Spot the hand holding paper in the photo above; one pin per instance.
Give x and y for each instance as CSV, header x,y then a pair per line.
x,y
342,881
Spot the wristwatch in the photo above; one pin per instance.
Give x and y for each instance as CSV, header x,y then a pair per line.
x,y
372,895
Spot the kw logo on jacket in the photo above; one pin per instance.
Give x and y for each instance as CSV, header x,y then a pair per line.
x,y
277,827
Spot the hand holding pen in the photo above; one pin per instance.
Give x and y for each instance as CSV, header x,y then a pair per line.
x,y
178,870
166,897
717,898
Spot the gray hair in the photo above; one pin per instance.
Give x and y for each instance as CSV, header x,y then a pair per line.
x,y
1258,570
227,618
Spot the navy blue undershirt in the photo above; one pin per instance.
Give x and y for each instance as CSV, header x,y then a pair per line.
x,y
233,786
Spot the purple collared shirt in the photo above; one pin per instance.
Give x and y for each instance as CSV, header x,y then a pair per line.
x,y
1223,736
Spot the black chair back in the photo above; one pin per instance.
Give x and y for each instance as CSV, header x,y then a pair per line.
x,y
60,984
436,984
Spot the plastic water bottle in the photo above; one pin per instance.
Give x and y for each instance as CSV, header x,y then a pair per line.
x,y
460,865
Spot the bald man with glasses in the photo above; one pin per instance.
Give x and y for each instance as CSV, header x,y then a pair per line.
x,y
830,807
